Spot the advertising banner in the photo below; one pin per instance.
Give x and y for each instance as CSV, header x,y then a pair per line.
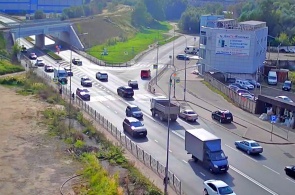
x,y
233,44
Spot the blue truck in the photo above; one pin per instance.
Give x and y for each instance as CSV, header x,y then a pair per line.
x,y
60,74
206,148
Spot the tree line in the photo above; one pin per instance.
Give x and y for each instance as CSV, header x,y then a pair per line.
x,y
279,15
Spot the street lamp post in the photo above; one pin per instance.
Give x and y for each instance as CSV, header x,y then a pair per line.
x,y
278,54
166,179
70,92
157,62
184,90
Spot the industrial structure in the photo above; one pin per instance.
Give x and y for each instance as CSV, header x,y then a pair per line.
x,y
30,6
236,49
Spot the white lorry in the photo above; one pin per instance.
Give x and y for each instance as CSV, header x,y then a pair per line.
x,y
206,148
160,108
191,50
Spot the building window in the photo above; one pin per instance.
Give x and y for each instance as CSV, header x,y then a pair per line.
x,y
203,53
203,40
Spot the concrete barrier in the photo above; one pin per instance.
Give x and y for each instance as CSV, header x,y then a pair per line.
x,y
161,170
134,148
154,164
147,159
128,144
140,154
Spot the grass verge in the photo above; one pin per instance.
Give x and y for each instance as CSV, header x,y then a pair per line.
x,y
52,54
99,180
217,91
6,67
122,50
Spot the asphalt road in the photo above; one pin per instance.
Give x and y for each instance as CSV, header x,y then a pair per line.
x,y
243,175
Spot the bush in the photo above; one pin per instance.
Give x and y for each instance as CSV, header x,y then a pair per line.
x,y
6,67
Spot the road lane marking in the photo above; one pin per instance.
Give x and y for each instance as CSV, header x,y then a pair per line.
x,y
290,179
108,106
252,180
271,169
181,136
250,158
184,161
231,148
156,141
203,174
170,151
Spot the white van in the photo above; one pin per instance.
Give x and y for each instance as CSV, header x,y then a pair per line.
x,y
191,50
272,78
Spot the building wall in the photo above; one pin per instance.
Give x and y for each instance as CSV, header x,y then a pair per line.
x,y
217,58
30,6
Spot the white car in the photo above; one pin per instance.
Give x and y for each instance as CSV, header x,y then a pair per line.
x,y
217,187
188,115
287,99
40,62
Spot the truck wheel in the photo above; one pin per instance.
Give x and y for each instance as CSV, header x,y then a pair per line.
x,y
205,192
194,158
153,113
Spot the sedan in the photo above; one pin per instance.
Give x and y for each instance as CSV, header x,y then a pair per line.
x,y
48,68
133,84
249,146
40,62
134,127
243,91
33,56
254,83
86,82
233,87
285,98
290,170
182,57
188,115
217,187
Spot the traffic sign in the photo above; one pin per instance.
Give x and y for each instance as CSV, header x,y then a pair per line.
x,y
273,118
155,66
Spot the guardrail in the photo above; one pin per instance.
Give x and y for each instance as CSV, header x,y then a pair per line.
x,y
125,141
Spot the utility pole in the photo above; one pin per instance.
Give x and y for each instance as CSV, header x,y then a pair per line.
x,y
70,93
157,59
173,60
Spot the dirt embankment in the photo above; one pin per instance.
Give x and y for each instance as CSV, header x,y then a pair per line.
x,y
31,161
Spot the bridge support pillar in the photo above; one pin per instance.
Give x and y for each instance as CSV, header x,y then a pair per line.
x,y
40,41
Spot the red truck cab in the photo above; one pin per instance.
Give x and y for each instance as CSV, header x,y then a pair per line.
x,y
145,74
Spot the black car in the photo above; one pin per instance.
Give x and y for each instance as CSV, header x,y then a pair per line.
x,y
290,170
125,91
238,85
134,127
24,49
133,84
86,82
223,116
134,111
287,86
182,57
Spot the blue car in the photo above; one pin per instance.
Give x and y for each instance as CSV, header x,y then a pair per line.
x,y
249,146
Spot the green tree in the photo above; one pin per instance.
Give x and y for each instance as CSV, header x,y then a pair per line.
x,y
39,14
139,15
155,8
284,39
190,20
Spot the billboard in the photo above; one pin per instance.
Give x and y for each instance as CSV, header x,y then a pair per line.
x,y
233,44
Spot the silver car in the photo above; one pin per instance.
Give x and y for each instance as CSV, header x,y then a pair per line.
x,y
249,146
188,115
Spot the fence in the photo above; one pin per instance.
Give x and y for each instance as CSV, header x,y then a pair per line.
x,y
126,142
242,102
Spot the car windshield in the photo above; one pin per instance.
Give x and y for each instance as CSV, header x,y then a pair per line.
x,y
254,144
133,82
136,124
272,77
215,156
247,83
103,74
225,190
287,84
134,109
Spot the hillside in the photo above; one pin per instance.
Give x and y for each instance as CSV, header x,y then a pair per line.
x,y
95,30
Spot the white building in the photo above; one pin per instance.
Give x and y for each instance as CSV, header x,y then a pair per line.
x,y
236,49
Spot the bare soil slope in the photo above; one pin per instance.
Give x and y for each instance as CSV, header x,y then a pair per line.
x,y
31,162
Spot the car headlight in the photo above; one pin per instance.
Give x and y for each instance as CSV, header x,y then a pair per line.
x,y
215,166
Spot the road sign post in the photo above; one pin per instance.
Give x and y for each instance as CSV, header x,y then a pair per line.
x,y
273,119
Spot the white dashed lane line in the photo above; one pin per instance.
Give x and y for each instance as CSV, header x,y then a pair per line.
x,y
203,174
184,161
250,158
290,179
231,148
156,141
271,169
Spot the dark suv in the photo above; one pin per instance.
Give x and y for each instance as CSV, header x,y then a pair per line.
x,y
223,116
287,86
134,111
125,91
134,127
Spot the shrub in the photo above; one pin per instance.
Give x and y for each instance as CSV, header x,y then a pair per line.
x,y
6,67
79,144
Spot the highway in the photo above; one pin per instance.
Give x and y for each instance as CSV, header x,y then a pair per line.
x,y
243,175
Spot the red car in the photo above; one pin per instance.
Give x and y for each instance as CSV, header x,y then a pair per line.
x,y
33,56
145,74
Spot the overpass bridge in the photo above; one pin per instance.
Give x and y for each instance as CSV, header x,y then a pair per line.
x,y
62,30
